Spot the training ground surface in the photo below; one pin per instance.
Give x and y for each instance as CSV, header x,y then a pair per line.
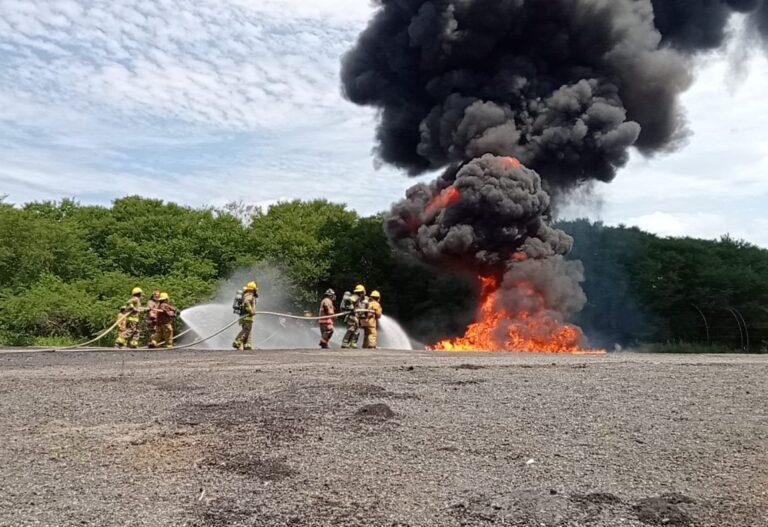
x,y
289,438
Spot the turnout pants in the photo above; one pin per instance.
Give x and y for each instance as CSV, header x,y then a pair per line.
x,y
326,333
352,334
243,339
163,336
130,334
370,337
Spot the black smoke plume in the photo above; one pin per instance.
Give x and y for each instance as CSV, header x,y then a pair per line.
x,y
697,25
565,86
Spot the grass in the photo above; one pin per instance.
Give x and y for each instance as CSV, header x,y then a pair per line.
x,y
53,341
689,348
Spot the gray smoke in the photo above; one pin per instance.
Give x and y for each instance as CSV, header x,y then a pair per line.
x,y
500,209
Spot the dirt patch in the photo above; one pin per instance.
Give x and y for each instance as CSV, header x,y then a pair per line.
x,y
222,513
469,367
252,466
597,498
226,415
465,383
178,387
664,510
268,419
373,391
379,411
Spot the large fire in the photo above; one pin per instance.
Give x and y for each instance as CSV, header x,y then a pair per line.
x,y
497,329
534,329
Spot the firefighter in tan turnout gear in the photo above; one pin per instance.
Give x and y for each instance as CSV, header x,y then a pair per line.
x,y
370,322
130,331
151,318
326,312
357,303
247,310
163,335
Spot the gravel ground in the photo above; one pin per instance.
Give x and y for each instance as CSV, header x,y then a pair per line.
x,y
382,438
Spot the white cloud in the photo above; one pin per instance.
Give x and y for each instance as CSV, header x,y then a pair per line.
x,y
226,64
702,225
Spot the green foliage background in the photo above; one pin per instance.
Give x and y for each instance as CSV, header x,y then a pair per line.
x,y
65,268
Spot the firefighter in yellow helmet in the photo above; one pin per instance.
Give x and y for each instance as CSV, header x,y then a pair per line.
x,y
164,324
357,304
370,323
131,332
247,311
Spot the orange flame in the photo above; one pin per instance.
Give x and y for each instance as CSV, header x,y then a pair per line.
x,y
513,162
496,329
446,198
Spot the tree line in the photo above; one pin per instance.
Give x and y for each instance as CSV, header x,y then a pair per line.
x,y
65,269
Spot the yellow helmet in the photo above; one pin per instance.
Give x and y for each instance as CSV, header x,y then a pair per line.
x,y
137,291
376,295
163,296
252,286
360,289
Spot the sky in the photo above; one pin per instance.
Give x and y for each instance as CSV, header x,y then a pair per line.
x,y
206,102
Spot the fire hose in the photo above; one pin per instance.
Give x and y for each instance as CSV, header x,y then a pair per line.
x,y
101,335
104,333
95,339
267,313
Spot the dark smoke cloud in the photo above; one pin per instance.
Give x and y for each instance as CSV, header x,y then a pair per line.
x,y
500,209
567,86
695,25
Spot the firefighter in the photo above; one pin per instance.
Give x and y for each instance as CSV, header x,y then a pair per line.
x,y
327,310
151,318
163,335
131,332
247,311
357,303
370,323
121,315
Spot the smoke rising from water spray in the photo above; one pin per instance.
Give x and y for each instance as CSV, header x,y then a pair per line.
x,y
564,86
